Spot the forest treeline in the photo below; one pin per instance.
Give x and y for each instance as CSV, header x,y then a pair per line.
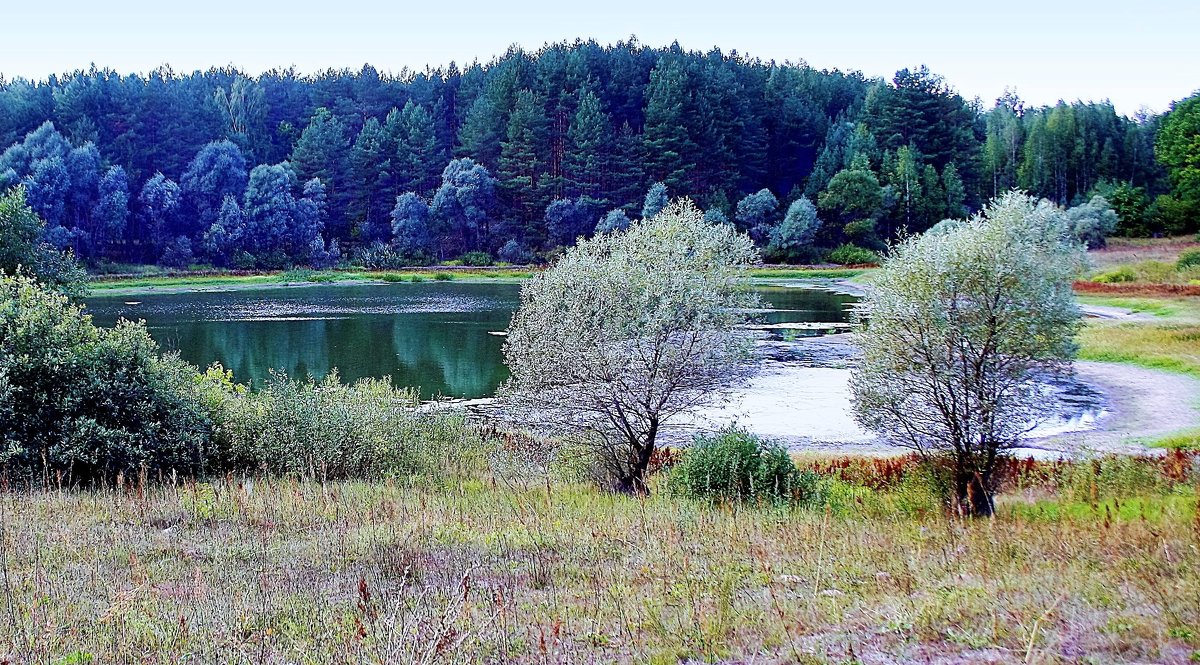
x,y
525,153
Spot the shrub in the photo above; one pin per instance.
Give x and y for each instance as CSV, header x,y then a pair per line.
x,y
379,256
477,259
90,402
1187,259
734,465
516,253
442,276
850,254
178,254
1116,276
332,430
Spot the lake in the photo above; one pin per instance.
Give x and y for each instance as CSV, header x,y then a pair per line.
x,y
434,336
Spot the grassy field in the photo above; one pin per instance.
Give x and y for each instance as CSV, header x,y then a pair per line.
x,y
125,285
178,282
293,571
1094,562
1168,340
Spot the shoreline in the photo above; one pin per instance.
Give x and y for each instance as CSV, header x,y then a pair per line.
x,y
130,285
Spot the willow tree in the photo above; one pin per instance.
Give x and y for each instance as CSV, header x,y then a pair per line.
x,y
960,328
628,331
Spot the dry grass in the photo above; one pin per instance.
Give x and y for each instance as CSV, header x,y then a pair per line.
x,y
281,571
1126,251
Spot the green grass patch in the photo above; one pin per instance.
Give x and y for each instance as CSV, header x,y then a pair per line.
x,y
1156,306
806,273
1184,440
181,281
1175,348
1152,508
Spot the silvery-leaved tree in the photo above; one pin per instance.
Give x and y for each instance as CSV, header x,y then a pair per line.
x,y
960,329
629,330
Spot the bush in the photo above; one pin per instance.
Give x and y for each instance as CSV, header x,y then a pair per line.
x,y
1116,276
367,429
90,402
379,256
178,254
1187,259
516,253
850,254
478,259
734,465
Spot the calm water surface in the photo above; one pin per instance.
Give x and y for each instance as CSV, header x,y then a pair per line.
x,y
433,336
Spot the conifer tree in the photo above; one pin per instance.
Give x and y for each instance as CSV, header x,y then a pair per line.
x,y
523,163
668,151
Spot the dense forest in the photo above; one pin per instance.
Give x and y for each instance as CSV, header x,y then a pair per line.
x,y
513,158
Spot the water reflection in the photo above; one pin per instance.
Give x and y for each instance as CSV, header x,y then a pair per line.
x,y
430,336
433,336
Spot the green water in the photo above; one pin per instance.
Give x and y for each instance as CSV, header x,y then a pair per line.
x,y
433,336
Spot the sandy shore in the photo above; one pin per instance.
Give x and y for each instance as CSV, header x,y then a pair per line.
x,y
1142,404
805,405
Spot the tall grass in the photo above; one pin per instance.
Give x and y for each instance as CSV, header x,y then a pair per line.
x,y
286,569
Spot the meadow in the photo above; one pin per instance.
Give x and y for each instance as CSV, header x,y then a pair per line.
x,y
1090,562
1094,561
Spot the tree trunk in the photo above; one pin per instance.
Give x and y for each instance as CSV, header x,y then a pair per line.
x,y
971,491
634,482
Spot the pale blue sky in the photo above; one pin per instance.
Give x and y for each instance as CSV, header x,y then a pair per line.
x,y
1143,53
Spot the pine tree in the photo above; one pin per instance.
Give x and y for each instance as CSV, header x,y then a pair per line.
x,y
523,164
323,151
656,199
370,171
481,133
905,178
587,160
956,194
418,157
668,151
626,179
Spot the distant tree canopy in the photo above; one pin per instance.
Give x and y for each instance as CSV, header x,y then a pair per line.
x,y
158,167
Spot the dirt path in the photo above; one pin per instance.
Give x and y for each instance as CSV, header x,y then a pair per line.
x,y
1113,313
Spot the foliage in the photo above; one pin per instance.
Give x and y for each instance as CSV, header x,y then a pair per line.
x,y
572,120
756,215
1092,222
799,228
734,465
1188,258
328,429
569,219
958,329
1116,276
515,253
90,402
656,200
1177,147
849,255
628,331
411,230
463,204
477,259
23,250
614,221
